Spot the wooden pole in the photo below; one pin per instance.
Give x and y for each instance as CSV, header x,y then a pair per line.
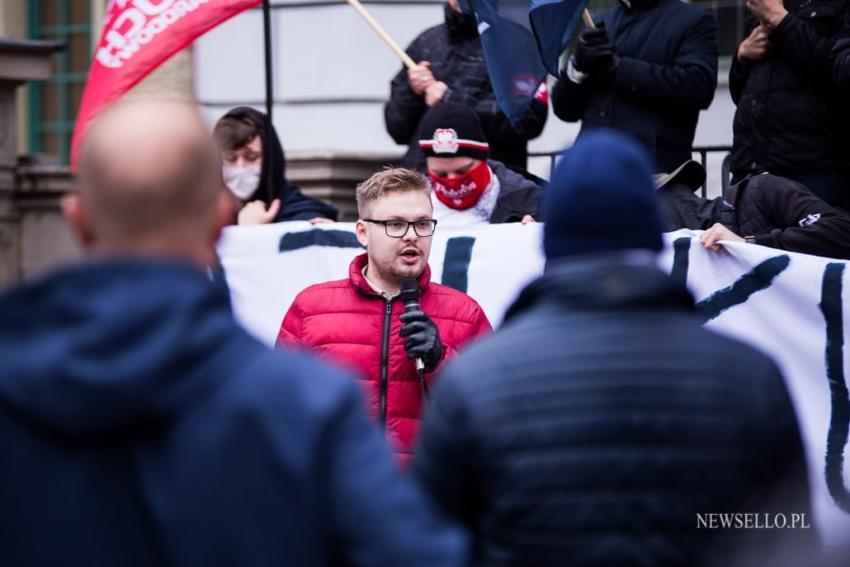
x,y
358,7
588,21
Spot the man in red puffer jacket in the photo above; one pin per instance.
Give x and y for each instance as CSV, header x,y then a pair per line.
x,y
360,321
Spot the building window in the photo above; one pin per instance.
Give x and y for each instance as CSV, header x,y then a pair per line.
x,y
53,103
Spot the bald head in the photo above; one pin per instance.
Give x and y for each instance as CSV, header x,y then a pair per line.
x,y
149,177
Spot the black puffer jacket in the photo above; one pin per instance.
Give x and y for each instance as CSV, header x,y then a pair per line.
x,y
594,426
667,73
790,118
457,58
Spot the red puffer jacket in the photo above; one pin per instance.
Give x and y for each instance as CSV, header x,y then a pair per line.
x,y
354,326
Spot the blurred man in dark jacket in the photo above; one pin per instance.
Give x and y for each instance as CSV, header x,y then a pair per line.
x,y
140,425
791,119
647,70
595,425
452,69
761,209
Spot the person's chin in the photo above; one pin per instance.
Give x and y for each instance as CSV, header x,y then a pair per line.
x,y
405,270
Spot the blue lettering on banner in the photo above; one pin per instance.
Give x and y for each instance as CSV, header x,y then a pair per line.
x,y
839,422
456,262
681,259
755,280
317,237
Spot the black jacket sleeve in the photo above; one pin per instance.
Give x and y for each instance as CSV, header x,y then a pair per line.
x,y
740,72
780,474
497,126
444,445
798,42
373,513
841,73
804,223
405,108
569,99
688,83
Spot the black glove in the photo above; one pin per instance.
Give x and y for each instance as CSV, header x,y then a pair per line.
x,y
595,54
423,338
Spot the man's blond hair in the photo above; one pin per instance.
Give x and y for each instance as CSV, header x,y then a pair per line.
x,y
391,180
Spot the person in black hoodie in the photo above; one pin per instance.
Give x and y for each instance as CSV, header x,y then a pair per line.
x,y
761,209
251,157
452,69
602,417
140,425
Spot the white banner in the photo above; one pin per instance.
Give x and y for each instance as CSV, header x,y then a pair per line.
x,y
792,306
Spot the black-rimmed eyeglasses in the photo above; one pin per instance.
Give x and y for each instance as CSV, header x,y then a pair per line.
x,y
399,228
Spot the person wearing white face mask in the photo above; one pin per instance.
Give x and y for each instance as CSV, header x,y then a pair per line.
x,y
241,136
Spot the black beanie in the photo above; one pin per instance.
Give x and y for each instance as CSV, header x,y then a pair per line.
x,y
601,199
451,130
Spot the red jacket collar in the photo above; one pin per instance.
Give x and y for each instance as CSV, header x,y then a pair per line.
x,y
358,280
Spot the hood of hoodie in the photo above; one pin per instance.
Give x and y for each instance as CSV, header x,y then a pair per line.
x,y
105,347
294,204
613,281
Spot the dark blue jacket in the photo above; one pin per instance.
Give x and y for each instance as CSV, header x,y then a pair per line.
x,y
601,419
667,73
139,425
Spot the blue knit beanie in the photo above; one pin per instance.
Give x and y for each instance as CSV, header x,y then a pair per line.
x,y
601,198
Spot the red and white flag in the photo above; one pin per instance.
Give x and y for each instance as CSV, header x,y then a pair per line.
x,y
138,36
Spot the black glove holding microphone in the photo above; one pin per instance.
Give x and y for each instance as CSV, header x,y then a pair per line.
x,y
423,337
596,55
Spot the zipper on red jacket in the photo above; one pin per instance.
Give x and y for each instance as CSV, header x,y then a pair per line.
x,y
385,352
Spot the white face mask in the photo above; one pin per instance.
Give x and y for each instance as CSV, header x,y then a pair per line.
x,y
242,181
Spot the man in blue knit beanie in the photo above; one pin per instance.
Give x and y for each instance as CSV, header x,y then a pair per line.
x,y
601,198
602,417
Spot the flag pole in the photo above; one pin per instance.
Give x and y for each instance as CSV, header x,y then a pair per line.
x,y
405,58
267,51
588,21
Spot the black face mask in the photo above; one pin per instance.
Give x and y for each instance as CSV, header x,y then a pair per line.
x,y
460,25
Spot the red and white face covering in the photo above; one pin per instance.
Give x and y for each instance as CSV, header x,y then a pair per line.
x,y
462,192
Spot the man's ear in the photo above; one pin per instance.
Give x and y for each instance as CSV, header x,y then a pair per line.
x,y
361,233
75,214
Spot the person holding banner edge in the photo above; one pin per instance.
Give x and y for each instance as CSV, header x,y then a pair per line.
x,y
361,323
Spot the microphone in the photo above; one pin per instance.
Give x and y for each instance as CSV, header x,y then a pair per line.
x,y
409,294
